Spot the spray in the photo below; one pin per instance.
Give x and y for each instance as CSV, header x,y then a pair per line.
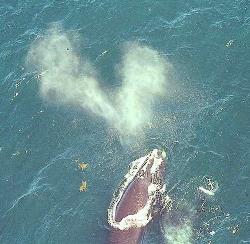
x,y
70,79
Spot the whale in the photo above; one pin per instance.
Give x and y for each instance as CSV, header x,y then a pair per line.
x,y
140,197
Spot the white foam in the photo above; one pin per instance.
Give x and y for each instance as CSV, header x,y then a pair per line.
x,y
206,191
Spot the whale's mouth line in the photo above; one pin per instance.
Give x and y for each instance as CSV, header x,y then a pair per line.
x,y
155,190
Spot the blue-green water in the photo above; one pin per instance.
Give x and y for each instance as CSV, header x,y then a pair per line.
x,y
204,120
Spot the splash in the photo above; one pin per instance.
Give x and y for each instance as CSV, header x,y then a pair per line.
x,y
68,78
179,235
177,225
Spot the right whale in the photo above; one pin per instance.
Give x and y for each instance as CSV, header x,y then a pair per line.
x,y
139,199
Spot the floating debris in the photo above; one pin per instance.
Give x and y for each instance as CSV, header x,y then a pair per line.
x,y
38,76
230,43
208,192
17,153
211,187
83,186
18,84
104,52
83,166
234,229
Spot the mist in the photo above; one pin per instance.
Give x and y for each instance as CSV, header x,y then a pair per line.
x,y
67,78
144,80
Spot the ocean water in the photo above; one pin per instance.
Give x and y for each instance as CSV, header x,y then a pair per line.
x,y
203,120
